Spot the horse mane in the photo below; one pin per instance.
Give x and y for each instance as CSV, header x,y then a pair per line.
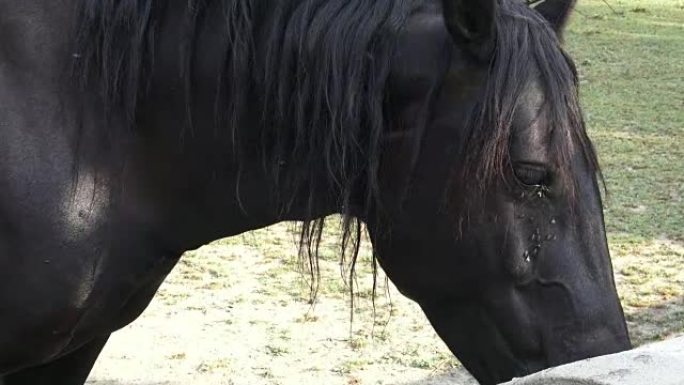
x,y
317,67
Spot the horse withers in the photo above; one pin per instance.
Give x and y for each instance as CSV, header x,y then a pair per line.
x,y
134,130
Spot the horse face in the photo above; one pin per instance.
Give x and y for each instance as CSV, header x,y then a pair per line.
x,y
514,276
538,274
515,280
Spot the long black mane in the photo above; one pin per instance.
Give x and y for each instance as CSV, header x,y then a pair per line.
x,y
319,69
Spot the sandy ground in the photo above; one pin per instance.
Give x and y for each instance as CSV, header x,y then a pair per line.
x,y
238,312
232,313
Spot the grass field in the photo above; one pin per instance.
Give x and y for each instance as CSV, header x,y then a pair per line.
x,y
632,67
238,311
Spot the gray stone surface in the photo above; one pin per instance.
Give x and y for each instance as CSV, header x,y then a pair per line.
x,y
661,363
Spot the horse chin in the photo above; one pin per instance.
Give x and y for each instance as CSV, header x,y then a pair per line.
x,y
561,347
485,350
496,370
569,345
503,363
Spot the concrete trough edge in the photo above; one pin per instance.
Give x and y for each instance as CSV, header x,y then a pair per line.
x,y
660,363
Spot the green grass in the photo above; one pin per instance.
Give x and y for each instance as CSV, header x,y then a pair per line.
x,y
631,64
632,70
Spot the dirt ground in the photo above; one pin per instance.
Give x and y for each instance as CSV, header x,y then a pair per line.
x,y
238,312
232,313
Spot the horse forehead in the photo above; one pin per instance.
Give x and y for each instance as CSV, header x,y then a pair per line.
x,y
531,129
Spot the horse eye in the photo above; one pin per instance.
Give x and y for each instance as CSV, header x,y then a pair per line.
x,y
530,174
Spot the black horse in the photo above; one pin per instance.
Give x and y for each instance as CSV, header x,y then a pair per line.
x,y
133,130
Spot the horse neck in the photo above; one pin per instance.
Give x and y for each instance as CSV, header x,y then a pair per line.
x,y
190,169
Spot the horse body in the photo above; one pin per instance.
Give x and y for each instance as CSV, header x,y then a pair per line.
x,y
61,227
77,260
105,183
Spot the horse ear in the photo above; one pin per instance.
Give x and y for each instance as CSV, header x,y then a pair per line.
x,y
472,23
556,12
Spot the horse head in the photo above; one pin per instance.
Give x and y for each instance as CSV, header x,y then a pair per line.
x,y
497,230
